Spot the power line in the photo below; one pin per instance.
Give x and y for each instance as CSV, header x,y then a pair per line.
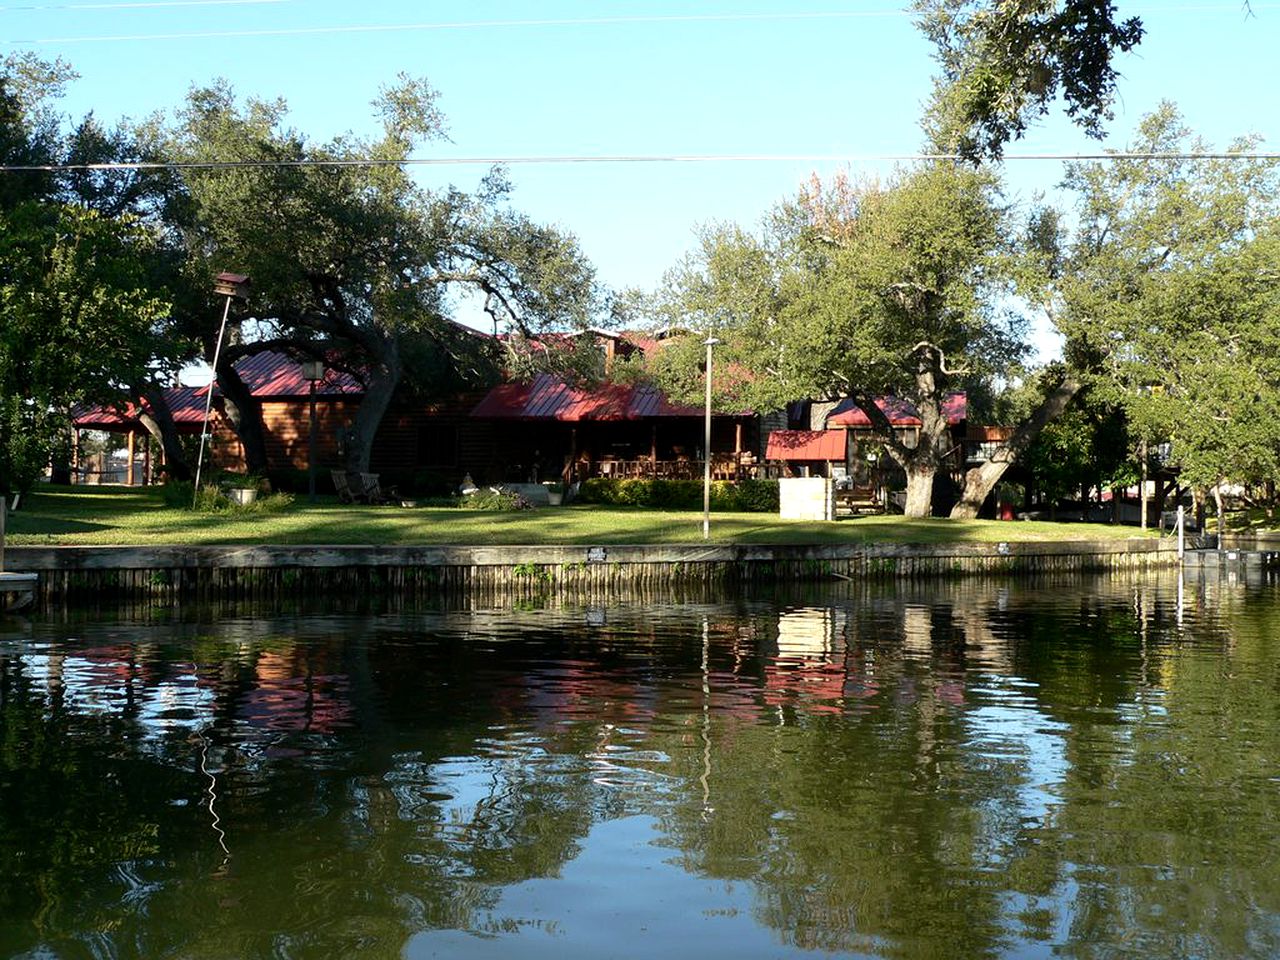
x,y
614,159
139,5
472,24
469,25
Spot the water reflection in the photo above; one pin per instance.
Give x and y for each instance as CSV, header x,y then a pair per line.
x,y
954,769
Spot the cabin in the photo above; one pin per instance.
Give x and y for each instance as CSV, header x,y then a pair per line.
x,y
529,432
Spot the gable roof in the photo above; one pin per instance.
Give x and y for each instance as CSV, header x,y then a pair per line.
x,y
901,413
279,376
186,404
547,397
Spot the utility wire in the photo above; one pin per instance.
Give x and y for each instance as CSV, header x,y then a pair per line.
x,y
469,25
621,158
140,5
479,24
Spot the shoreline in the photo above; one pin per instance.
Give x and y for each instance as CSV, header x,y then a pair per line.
x,y
169,573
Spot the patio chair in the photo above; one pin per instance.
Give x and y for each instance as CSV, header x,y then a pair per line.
x,y
342,485
369,489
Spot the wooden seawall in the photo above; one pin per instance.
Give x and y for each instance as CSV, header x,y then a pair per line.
x,y
167,573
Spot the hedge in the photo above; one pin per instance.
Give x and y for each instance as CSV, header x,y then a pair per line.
x,y
745,496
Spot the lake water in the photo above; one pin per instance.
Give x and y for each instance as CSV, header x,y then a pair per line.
x,y
1056,768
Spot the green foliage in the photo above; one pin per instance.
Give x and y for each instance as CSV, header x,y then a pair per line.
x,y
79,292
1170,293
364,258
747,496
178,494
493,500
1004,64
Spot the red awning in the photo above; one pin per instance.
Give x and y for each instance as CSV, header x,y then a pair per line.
x,y
806,445
901,413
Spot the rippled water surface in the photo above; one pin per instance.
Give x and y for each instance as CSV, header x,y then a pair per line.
x,y
1066,768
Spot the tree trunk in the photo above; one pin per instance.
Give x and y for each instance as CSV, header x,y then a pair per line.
x,y
982,479
919,490
245,413
383,378
158,420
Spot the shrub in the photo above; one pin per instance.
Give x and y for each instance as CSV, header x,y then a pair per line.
x,y
755,496
493,500
178,494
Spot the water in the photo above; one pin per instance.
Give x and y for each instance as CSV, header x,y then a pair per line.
x,y
1068,768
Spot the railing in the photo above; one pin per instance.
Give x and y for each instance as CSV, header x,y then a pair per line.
x,y
728,467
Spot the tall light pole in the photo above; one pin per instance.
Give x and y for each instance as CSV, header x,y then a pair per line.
x,y
313,371
233,286
706,450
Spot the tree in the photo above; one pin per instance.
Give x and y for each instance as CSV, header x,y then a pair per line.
x,y
860,290
82,314
1172,296
1003,64
353,260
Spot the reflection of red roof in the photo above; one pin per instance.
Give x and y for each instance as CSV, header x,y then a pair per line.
x,y
901,413
806,445
549,398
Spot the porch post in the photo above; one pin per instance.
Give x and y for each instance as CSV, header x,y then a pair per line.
x,y
737,449
131,447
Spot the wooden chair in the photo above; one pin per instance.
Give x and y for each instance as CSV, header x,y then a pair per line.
x,y
342,485
370,490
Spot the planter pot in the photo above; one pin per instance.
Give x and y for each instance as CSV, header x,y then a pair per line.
x,y
555,499
243,495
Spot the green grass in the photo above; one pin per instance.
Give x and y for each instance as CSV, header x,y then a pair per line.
x,y
122,515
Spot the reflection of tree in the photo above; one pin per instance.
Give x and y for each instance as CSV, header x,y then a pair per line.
x,y
943,769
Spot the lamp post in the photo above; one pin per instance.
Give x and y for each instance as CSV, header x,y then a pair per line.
x,y
706,450
312,371
233,286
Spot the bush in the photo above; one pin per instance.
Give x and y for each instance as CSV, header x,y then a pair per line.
x,y
493,500
178,494
751,496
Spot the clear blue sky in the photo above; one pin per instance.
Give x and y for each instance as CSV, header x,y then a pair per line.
x,y
848,81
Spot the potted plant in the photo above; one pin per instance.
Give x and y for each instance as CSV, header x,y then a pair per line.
x,y
242,490
555,493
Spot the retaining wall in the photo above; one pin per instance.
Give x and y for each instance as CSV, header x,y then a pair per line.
x,y
163,573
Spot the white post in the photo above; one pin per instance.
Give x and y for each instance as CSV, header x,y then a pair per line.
x,y
1182,543
208,400
706,451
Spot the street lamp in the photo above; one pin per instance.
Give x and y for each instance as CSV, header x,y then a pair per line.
x,y
706,450
312,371
233,286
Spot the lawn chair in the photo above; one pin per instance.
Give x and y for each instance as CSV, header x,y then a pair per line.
x,y
342,485
370,490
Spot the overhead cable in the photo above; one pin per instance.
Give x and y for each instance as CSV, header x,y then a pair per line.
x,y
619,158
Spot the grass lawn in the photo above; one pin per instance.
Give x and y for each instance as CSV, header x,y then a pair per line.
x,y
138,515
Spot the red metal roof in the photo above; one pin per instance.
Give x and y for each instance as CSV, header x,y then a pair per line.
x,y
278,375
806,445
549,398
185,403
901,413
